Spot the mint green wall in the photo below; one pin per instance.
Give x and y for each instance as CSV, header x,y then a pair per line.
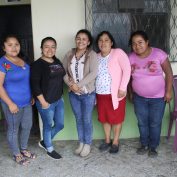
x,y
129,129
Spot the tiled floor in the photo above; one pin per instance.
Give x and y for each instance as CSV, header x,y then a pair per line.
x,y
124,164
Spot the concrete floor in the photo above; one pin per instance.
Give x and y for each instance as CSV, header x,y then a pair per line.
x,y
124,164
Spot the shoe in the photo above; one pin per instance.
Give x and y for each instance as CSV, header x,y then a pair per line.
x,y
79,149
105,146
114,149
21,160
42,145
28,154
152,153
85,151
142,150
54,155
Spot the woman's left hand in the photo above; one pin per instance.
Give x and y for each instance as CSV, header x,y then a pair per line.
x,y
168,96
121,93
32,101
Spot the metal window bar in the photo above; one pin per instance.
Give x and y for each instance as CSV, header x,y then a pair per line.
x,y
158,18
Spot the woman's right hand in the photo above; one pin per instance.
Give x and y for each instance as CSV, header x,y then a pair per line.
x,y
75,88
13,108
45,105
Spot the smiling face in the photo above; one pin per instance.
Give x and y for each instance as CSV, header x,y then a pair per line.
x,y
105,44
82,41
11,47
49,49
139,45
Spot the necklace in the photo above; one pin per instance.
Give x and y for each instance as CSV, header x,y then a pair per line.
x,y
78,57
16,61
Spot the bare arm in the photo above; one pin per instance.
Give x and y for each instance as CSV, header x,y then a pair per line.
x,y
4,96
168,79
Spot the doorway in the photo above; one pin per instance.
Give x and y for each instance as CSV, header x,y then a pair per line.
x,y
17,20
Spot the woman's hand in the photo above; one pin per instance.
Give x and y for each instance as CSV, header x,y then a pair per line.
x,y
45,105
121,93
32,101
75,88
168,96
13,108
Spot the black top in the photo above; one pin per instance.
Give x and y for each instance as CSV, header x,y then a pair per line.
x,y
47,79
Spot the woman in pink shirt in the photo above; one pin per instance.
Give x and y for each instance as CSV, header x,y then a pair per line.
x,y
150,89
111,88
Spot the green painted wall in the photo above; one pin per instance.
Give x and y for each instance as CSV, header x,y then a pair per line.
x,y
129,129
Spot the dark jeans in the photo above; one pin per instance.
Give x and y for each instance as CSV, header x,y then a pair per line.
x,y
149,112
82,106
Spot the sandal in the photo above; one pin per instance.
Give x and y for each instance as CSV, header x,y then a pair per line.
x,y
20,160
28,154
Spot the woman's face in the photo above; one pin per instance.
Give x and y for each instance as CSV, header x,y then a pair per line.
x,y
11,47
139,45
105,44
49,49
82,41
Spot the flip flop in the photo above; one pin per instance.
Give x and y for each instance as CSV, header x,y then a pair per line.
x,y
28,154
21,160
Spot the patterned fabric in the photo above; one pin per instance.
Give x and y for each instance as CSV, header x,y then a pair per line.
x,y
147,74
103,80
7,66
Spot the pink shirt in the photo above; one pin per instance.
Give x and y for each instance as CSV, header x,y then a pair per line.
x,y
147,74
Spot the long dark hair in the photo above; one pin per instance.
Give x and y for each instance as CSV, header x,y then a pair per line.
x,y
5,39
21,53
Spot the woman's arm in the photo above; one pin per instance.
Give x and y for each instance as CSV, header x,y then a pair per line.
x,y
93,70
42,101
68,80
3,95
36,76
168,79
126,73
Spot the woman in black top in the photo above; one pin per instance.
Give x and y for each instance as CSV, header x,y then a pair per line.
x,y
47,86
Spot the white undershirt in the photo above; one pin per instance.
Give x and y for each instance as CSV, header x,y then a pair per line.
x,y
78,76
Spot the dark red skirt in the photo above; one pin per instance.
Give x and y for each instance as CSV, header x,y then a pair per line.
x,y
106,113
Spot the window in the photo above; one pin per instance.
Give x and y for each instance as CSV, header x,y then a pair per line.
x,y
152,16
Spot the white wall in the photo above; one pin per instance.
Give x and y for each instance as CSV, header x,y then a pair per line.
x,y
60,19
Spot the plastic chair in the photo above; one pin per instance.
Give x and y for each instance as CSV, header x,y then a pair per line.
x,y
173,114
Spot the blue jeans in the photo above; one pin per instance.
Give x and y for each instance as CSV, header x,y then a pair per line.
x,y
19,126
82,106
149,112
53,121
